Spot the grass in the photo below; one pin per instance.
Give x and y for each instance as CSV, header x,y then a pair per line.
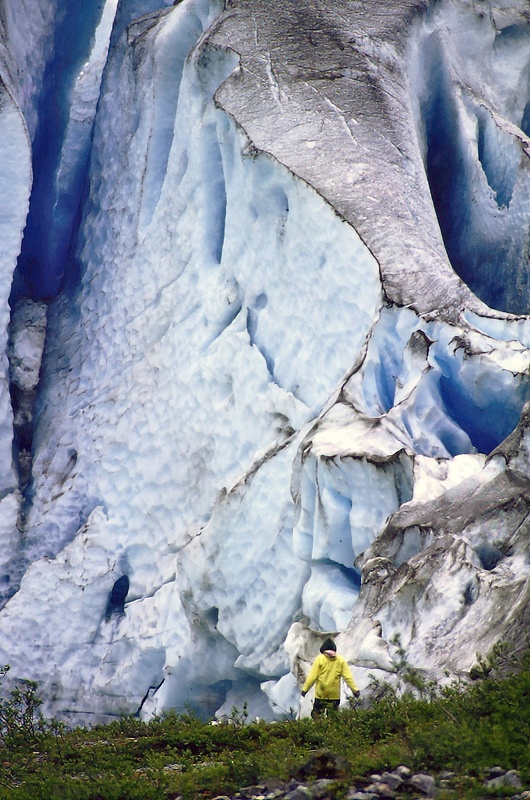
x,y
465,729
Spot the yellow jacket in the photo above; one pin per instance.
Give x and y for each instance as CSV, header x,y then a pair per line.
x,y
326,672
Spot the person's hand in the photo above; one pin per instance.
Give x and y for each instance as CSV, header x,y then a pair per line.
x,y
303,693
356,693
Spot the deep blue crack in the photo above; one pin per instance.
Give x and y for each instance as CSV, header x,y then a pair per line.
x,y
494,266
53,213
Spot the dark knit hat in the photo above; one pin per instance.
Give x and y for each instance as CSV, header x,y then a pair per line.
x,y
329,644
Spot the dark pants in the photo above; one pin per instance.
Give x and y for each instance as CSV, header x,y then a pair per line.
x,y
322,708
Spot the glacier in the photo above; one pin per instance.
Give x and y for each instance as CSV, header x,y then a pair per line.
x,y
266,345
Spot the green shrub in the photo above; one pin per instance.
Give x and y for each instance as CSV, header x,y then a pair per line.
x,y
20,719
464,728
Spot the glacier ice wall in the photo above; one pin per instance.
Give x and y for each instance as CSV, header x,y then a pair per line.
x,y
15,177
268,358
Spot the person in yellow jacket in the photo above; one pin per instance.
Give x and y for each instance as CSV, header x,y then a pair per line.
x,y
327,670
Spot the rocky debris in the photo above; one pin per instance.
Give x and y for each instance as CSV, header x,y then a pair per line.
x,y
399,783
510,778
395,784
323,764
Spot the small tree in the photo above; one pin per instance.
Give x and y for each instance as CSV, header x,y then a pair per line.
x,y
20,719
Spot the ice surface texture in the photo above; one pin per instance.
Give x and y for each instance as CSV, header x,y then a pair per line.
x,y
281,394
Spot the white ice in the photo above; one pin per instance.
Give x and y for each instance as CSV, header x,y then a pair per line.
x,y
230,410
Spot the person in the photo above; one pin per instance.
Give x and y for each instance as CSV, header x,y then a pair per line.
x,y
327,670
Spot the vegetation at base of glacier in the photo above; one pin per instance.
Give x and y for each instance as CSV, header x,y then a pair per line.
x,y
465,727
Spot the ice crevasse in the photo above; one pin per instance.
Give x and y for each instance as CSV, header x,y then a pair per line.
x,y
285,357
